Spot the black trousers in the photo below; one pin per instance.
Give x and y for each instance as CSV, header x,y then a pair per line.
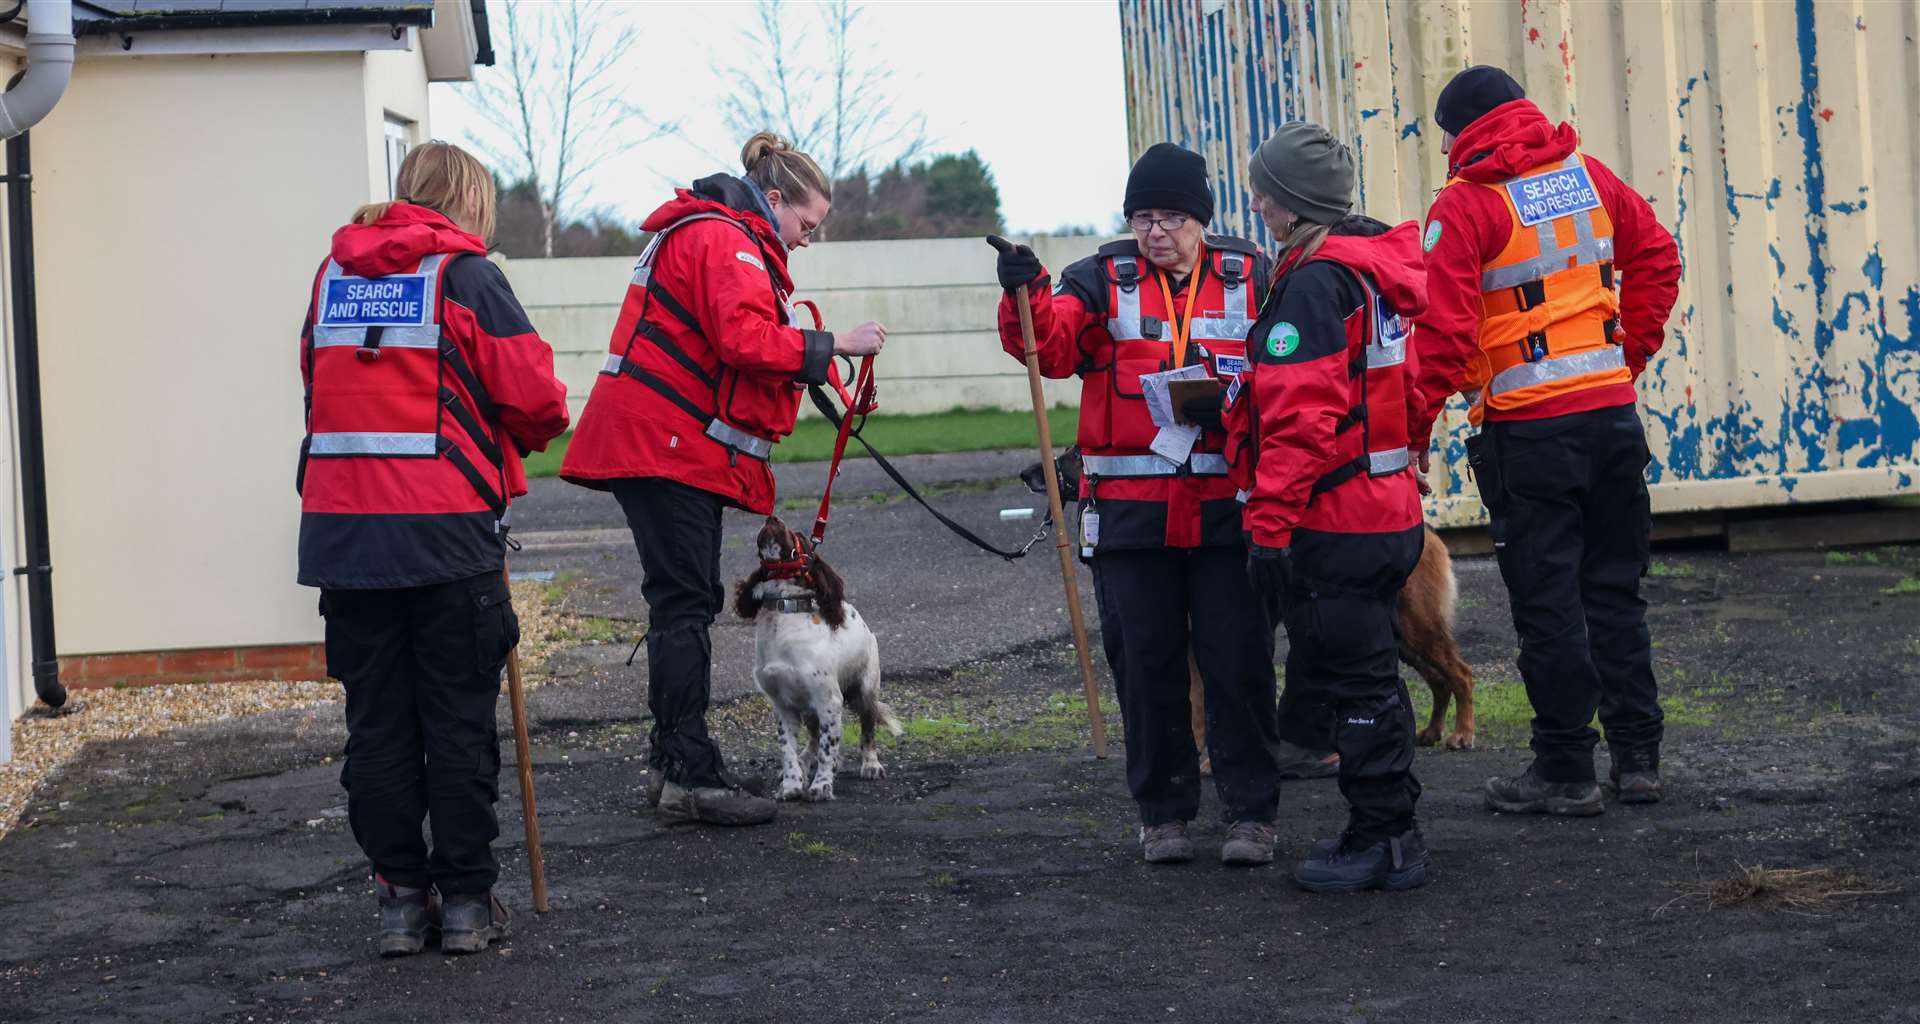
x,y
1155,596
1571,528
677,530
422,672
1343,689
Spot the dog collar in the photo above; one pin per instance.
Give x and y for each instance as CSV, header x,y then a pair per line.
x,y
793,569
800,603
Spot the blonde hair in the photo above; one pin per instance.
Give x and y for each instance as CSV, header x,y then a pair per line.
x,y
442,177
773,164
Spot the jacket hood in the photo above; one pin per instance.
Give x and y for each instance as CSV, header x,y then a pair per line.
x,y
1509,140
402,236
732,198
1394,261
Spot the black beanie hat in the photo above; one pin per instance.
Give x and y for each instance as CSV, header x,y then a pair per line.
x,y
1473,93
1167,177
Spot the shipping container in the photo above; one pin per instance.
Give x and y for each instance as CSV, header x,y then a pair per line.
x,y
1779,142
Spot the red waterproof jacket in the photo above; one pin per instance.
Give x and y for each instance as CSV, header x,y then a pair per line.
x,y
1318,429
1468,226
424,384
1113,319
706,366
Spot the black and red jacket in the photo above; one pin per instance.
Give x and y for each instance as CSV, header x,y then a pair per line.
x,y
424,385
1108,322
1318,430
1470,225
706,366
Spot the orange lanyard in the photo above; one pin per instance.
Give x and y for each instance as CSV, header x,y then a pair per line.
x,y
1183,326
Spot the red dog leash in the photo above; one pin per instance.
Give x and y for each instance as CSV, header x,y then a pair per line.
x,y
860,402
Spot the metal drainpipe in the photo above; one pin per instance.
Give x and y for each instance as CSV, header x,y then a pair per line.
x,y
29,97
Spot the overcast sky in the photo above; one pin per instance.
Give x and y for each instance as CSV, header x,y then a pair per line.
x,y
1036,88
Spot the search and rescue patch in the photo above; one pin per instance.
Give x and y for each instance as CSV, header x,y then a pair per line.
x,y
1229,366
1433,237
395,301
747,257
1554,194
1282,340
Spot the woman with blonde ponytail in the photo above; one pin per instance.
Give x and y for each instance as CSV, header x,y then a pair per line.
x,y
702,378
425,384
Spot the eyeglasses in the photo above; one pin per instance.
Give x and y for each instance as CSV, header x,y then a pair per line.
x,y
1170,223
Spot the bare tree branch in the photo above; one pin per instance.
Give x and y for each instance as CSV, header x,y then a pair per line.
x,y
553,106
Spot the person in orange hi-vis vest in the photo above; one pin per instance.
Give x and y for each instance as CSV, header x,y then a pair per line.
x,y
1549,284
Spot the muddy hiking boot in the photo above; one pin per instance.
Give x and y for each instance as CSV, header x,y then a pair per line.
x,y
472,921
1344,865
1528,793
407,917
1166,843
1249,844
1298,762
713,805
1635,777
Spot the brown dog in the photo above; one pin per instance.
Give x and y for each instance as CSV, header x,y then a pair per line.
x,y
1427,605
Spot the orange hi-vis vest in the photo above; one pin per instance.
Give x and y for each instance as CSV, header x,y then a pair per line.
x,y
1549,304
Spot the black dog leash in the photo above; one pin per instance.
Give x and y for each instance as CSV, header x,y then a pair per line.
x,y
821,402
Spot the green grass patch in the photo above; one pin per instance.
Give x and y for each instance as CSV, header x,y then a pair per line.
x,y
590,629
1910,585
1060,724
1852,558
1503,717
1913,646
800,842
1671,570
959,430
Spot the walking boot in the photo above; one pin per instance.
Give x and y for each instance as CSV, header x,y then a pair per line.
x,y
407,916
1635,777
473,921
1166,843
1249,844
1345,865
713,805
1528,793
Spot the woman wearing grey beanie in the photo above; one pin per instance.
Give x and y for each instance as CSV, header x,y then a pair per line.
x,y
1318,436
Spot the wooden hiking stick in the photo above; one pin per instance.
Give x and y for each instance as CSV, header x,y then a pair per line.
x,y
529,808
1067,573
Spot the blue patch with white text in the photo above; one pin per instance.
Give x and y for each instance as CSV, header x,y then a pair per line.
x,y
1229,366
1553,194
395,301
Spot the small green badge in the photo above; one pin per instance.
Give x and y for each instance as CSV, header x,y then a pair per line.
x,y
1284,339
1433,236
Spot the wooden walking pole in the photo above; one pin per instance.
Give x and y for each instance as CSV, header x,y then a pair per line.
x,y
529,808
1067,572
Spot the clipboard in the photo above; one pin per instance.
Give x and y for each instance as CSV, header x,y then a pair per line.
x,y
1180,391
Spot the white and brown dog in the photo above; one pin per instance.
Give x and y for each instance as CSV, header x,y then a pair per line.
x,y
813,657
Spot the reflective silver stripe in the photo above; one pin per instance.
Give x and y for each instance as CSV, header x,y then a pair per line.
x,y
1242,496
1124,324
427,336
1526,375
372,443
1392,354
1550,261
1220,328
739,440
1392,460
612,365
1199,463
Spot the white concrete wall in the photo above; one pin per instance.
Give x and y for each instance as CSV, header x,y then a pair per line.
x,y
937,297
181,206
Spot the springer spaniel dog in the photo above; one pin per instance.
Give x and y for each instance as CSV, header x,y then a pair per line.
x,y
813,656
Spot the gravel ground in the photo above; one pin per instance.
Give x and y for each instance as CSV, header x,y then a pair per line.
x,y
42,745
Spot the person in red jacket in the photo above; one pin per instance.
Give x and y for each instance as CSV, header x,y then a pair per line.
x,y
1160,518
702,379
1318,433
1549,285
425,384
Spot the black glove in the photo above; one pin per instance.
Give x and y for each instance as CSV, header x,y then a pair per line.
x,y
1271,571
1018,266
1205,411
